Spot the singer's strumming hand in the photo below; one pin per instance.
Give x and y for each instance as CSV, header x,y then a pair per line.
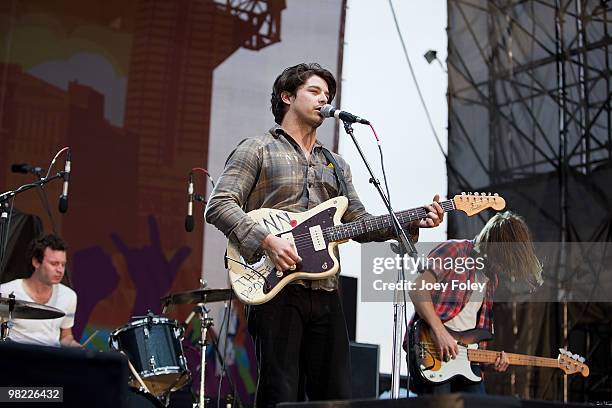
x,y
282,252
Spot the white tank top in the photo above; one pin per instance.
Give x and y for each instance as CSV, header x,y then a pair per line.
x,y
466,319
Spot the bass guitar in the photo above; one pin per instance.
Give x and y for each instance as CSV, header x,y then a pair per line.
x,y
426,366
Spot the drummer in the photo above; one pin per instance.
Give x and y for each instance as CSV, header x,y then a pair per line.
x,y
47,261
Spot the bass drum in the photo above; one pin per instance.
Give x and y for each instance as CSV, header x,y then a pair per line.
x,y
153,347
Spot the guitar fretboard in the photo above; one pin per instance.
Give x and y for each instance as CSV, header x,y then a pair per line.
x,y
371,224
489,356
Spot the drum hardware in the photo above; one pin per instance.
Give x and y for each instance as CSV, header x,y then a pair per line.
x,y
12,308
196,296
152,362
20,309
199,297
205,323
8,325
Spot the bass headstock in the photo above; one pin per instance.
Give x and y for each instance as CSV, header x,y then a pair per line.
x,y
572,363
474,203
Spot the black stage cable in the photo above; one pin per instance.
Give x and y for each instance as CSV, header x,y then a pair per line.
x,y
42,194
402,272
4,258
416,83
464,184
227,316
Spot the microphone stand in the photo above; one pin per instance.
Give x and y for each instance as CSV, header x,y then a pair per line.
x,y
5,214
399,301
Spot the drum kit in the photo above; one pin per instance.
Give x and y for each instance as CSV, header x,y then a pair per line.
x,y
152,345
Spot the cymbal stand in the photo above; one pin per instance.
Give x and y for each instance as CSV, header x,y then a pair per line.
x,y
205,323
5,327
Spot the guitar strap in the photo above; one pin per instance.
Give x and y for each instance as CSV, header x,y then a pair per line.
x,y
337,171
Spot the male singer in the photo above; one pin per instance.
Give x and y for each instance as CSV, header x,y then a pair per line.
x,y
300,335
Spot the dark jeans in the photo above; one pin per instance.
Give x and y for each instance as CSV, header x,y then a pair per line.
x,y
456,385
302,347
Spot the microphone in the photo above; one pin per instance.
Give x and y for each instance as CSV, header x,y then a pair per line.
x,y
189,217
328,111
63,200
25,169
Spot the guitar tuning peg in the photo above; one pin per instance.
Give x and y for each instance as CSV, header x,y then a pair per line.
x,y
463,193
562,351
568,353
476,193
490,193
496,195
581,359
483,194
575,356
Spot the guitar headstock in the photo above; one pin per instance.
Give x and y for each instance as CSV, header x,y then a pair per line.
x,y
572,363
474,203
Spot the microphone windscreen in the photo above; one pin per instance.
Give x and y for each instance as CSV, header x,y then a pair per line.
x,y
19,168
63,204
327,111
189,223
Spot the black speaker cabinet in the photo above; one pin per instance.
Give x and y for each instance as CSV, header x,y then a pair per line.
x,y
348,295
88,378
364,370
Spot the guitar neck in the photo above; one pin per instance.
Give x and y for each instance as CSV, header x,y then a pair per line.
x,y
489,356
371,224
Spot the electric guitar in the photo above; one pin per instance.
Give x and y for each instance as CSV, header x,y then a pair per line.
x,y
426,366
315,233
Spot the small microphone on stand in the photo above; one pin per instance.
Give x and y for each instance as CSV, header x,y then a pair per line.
x,y
63,200
189,217
26,168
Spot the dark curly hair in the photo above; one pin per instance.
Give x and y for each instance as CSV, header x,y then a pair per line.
x,y
37,248
294,77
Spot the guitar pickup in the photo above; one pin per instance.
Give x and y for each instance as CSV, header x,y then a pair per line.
x,y
316,235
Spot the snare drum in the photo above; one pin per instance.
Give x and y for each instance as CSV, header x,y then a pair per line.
x,y
153,346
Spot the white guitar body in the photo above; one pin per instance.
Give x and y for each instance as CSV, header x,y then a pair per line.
x,y
444,371
305,231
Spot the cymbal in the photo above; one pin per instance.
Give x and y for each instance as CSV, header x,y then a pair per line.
x,y
197,296
28,310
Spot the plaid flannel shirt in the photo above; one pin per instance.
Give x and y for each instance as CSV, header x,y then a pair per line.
x,y
448,304
272,172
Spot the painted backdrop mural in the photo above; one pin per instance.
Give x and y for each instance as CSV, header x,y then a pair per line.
x,y
129,86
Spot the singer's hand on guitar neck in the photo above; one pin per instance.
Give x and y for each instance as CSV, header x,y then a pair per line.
x,y
282,252
435,214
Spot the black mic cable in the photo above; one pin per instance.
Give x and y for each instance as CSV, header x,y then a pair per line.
x,y
246,265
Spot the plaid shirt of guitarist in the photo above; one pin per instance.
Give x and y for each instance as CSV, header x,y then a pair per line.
x,y
272,172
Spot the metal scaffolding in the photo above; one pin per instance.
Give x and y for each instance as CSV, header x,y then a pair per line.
x,y
529,116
